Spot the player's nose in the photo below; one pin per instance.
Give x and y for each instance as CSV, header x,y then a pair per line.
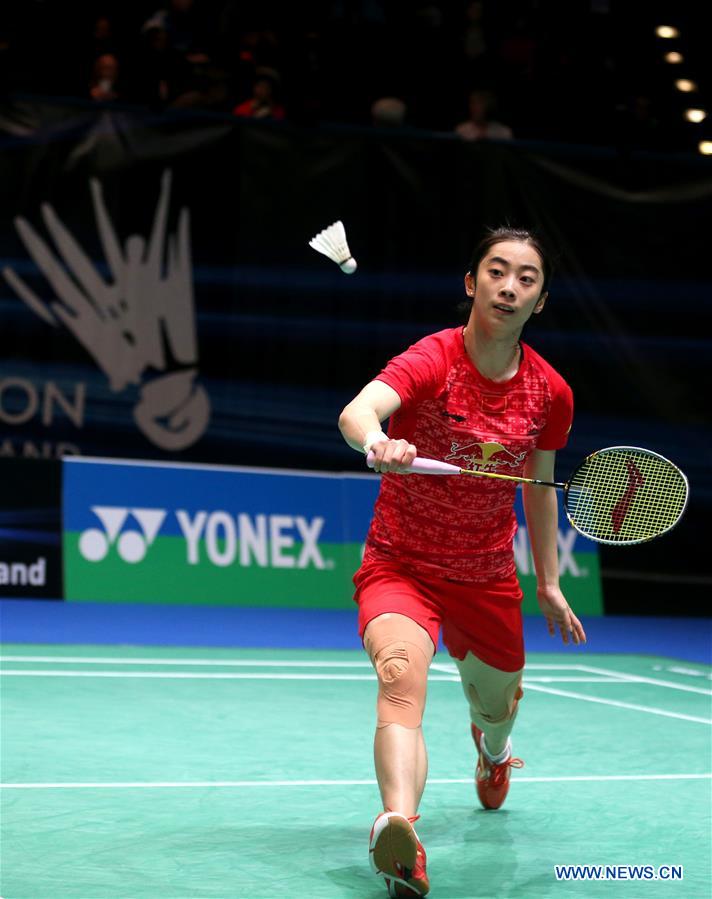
x,y
507,292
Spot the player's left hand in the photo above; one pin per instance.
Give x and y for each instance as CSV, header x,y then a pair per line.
x,y
558,612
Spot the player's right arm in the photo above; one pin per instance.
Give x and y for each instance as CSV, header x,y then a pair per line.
x,y
360,425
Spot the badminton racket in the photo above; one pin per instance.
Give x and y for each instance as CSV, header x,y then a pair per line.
x,y
619,495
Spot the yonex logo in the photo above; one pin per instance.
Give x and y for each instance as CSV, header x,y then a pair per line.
x,y
566,543
132,545
276,541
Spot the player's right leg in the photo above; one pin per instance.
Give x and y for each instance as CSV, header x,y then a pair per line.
x,y
399,624
397,855
401,651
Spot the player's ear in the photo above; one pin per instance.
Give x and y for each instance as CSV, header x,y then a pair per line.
x,y
540,303
469,284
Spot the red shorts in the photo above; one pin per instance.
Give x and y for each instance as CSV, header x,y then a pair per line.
x,y
485,619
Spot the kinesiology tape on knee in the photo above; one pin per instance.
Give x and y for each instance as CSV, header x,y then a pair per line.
x,y
402,669
504,710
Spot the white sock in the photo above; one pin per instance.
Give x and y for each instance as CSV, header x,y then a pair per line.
x,y
500,757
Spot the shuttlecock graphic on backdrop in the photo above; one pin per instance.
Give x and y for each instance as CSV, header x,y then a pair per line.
x,y
332,243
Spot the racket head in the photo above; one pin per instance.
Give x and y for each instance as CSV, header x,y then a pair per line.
x,y
622,495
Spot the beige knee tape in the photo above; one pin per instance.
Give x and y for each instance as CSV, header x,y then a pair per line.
x,y
493,695
495,713
400,651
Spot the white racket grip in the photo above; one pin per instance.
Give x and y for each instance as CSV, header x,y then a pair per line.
x,y
422,466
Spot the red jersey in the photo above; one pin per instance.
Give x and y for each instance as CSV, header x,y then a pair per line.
x,y
462,528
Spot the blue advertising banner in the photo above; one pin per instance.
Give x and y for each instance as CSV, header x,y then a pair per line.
x,y
194,534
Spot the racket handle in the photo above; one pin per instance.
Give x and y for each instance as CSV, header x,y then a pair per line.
x,y
422,466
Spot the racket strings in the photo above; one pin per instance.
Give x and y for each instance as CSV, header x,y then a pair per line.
x,y
626,495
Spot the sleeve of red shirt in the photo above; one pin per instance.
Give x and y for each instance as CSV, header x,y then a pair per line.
x,y
418,373
555,434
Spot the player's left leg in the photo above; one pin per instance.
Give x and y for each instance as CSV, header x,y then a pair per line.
x,y
493,696
482,629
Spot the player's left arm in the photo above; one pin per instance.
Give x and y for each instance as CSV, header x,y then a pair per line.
x,y
542,511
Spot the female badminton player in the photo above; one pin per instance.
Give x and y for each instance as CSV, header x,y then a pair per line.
x,y
439,554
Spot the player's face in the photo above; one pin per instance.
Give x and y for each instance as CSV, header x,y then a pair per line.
x,y
508,286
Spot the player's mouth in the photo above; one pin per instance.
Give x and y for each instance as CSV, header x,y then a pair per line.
x,y
504,308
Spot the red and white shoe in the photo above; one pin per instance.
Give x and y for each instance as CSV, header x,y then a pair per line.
x,y
491,779
397,855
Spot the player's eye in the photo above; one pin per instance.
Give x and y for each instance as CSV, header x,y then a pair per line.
x,y
495,271
527,280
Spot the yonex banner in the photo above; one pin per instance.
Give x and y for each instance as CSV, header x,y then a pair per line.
x,y
196,534
191,534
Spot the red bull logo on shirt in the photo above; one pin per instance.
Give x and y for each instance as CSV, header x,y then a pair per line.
x,y
489,456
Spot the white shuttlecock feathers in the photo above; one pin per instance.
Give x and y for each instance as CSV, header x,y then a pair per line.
x,y
332,243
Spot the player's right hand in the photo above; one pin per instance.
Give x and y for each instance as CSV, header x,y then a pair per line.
x,y
393,456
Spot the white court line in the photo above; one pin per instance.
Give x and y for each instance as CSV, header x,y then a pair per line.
x,y
607,677
204,784
622,705
451,668
188,675
612,675
217,663
252,675
641,679
546,679
690,672
443,667
243,663
615,677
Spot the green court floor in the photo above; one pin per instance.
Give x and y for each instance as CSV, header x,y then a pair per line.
x,y
137,773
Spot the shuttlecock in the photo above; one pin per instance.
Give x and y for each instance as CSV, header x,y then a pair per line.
x,y
332,243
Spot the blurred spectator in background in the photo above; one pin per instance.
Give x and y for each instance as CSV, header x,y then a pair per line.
x,y
103,40
476,66
103,86
480,125
474,43
160,72
255,49
335,57
205,84
388,112
177,65
262,104
182,23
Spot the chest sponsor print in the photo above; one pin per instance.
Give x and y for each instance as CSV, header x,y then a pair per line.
x,y
484,456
